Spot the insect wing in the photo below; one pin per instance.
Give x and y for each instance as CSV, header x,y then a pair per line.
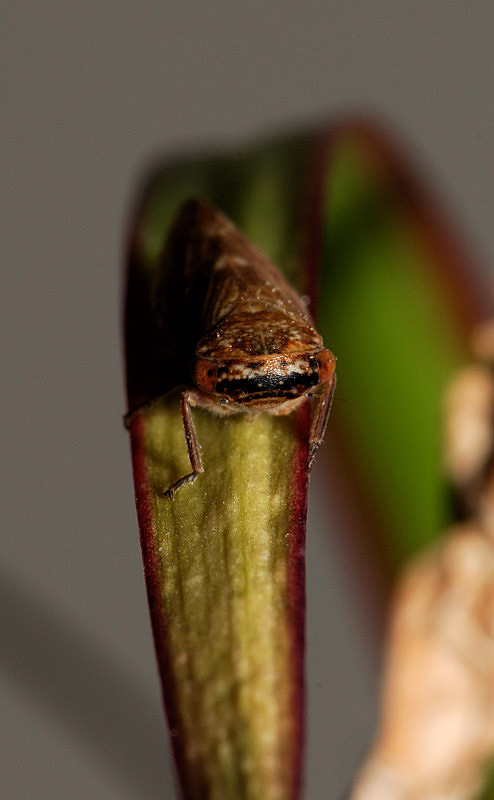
x,y
229,273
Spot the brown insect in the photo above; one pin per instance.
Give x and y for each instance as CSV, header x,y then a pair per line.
x,y
250,343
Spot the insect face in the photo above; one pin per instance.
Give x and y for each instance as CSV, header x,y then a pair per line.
x,y
264,382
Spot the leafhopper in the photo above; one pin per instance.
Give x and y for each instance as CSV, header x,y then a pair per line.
x,y
245,334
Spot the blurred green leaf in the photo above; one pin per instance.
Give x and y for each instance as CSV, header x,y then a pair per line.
x,y
391,310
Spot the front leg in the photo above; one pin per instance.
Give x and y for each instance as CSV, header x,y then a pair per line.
x,y
321,407
188,400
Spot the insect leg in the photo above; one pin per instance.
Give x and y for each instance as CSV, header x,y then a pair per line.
x,y
320,413
193,447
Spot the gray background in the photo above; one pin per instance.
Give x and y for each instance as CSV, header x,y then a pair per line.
x,y
91,91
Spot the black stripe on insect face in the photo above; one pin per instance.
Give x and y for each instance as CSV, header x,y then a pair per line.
x,y
262,387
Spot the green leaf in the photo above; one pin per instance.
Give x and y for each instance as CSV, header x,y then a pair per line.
x,y
224,560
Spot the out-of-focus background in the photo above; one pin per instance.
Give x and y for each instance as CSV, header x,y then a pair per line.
x,y
91,92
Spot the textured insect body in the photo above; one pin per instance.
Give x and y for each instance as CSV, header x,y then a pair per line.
x,y
252,346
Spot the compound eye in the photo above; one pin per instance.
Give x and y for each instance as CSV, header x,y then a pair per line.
x,y
327,365
205,375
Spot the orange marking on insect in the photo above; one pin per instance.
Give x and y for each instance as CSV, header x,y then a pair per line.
x,y
253,344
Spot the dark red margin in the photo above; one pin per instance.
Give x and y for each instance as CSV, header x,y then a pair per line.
x,y
152,575
296,585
